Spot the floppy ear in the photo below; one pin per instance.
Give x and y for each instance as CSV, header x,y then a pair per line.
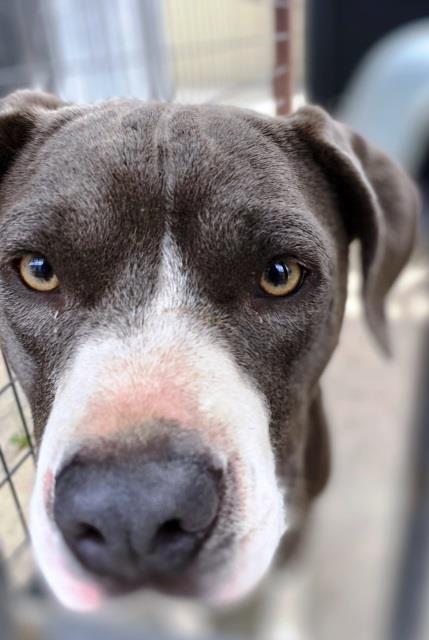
x,y
378,202
20,113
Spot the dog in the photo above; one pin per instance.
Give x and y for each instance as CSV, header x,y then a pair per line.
x,y
173,281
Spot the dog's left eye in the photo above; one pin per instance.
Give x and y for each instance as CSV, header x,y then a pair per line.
x,y
37,273
282,277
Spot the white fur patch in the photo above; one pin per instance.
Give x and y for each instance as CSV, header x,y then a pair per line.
x,y
173,367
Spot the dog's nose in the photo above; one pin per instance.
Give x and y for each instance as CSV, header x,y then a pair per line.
x,y
136,522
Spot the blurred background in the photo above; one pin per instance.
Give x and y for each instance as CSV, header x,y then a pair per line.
x,y
363,572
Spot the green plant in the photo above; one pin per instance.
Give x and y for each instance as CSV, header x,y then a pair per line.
x,y
20,440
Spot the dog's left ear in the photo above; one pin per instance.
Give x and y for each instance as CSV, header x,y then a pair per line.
x,y
378,202
21,113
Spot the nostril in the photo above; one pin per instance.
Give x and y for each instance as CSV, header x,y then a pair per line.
x,y
89,533
168,533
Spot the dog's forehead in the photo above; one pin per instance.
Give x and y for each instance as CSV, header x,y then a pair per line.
x,y
159,158
109,181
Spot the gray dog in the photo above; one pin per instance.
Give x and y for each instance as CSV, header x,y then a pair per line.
x,y
172,284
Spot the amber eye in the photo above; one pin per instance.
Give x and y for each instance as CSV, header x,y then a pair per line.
x,y
282,277
37,273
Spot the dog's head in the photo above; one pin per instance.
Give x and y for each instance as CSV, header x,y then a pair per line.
x,y
173,282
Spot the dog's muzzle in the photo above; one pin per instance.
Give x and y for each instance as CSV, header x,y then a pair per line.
x,y
138,515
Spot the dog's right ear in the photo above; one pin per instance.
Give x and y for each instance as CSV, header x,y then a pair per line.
x,y
20,114
378,202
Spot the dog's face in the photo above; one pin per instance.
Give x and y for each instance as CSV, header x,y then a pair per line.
x,y
173,281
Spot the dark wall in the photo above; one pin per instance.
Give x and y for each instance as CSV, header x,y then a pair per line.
x,y
340,32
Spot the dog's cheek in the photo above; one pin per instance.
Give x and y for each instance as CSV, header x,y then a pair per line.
x,y
34,379
285,343
38,343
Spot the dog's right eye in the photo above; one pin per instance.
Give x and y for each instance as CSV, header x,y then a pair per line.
x,y
37,273
282,277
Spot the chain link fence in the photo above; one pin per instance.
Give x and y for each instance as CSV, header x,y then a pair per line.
x,y
17,463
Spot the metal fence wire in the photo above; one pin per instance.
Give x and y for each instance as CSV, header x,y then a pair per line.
x,y
182,50
16,449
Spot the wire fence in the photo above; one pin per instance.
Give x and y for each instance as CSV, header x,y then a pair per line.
x,y
17,462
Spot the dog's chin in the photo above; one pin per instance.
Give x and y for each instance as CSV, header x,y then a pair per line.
x,y
222,586
191,585
94,593
78,590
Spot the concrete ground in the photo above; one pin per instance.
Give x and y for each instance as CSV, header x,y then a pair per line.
x,y
356,538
